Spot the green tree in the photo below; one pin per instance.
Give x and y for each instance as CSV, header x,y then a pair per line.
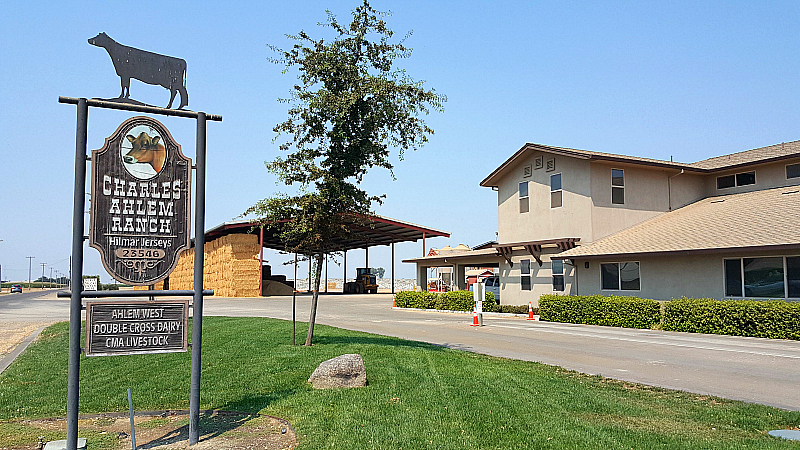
x,y
380,271
349,110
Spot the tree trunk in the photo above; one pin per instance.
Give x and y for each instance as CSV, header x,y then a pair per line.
x,y
312,320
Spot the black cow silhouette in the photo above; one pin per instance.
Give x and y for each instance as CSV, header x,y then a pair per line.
x,y
148,67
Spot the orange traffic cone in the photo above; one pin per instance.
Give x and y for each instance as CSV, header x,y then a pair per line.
x,y
394,303
530,311
475,318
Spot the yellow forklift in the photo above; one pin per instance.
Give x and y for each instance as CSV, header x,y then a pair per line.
x,y
365,282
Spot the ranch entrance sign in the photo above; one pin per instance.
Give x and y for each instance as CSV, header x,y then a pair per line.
x,y
140,208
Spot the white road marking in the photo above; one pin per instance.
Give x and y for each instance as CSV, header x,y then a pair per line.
x,y
652,341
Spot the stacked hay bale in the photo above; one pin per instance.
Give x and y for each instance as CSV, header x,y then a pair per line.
x,y
182,278
246,269
158,286
231,267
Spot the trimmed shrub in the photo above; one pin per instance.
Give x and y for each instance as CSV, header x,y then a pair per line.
x,y
413,299
613,311
777,319
453,300
516,309
490,301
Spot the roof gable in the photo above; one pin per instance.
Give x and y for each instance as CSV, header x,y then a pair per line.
x,y
527,149
715,164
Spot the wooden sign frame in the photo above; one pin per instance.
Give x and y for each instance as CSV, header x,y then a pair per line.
x,y
134,326
140,216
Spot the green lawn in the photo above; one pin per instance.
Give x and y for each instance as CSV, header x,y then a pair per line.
x,y
419,395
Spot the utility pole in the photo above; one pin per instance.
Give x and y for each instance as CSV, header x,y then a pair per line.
x,y
30,258
43,264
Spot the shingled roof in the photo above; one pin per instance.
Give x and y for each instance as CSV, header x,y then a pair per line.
x,y
763,154
493,178
718,163
752,220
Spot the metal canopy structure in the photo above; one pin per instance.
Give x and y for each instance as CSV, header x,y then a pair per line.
x,y
369,232
365,232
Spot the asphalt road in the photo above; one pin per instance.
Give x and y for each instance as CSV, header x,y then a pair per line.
x,y
756,370
30,307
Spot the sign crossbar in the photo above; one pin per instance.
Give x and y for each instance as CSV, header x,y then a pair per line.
x,y
128,294
97,103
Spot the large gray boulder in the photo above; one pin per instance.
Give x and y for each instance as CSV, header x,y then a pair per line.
x,y
343,371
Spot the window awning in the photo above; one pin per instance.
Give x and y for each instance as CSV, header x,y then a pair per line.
x,y
534,247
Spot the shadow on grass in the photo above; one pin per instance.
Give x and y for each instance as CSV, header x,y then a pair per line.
x,y
211,425
373,340
252,404
214,423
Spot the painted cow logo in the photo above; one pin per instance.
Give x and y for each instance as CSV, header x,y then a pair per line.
x,y
142,152
147,150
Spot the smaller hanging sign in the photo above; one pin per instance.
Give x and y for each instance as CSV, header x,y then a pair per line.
x,y
136,327
140,204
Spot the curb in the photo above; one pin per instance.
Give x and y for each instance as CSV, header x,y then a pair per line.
x,y
12,355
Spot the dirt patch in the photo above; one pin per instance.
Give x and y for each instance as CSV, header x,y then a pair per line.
x,y
221,430
12,333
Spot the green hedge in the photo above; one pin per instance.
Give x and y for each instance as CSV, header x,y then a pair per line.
x,y
614,311
516,309
413,299
777,319
453,301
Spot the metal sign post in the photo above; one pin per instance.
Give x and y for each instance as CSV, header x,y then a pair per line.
x,y
199,254
479,294
294,298
76,267
76,276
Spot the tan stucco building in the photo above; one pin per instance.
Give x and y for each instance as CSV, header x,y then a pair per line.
x,y
580,222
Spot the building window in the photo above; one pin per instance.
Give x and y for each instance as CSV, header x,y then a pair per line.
x,y
733,277
558,274
617,186
739,179
620,276
793,171
555,190
743,179
523,197
525,270
768,277
793,276
725,182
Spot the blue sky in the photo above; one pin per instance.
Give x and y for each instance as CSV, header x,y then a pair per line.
x,y
689,80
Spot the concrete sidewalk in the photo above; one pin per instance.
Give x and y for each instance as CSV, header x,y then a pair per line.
x,y
9,357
